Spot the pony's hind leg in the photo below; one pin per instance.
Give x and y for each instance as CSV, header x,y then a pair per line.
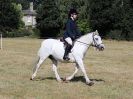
x,y
35,69
54,67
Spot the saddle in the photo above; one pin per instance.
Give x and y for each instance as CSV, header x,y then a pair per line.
x,y
65,43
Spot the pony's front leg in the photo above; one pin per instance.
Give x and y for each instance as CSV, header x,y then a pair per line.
x,y
54,66
72,76
81,65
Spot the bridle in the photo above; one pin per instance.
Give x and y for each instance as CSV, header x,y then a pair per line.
x,y
94,41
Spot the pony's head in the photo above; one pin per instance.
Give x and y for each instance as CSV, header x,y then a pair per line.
x,y
97,41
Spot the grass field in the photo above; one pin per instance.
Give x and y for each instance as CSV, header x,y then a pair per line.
x,y
112,71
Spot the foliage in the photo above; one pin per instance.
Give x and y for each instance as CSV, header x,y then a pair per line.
x,y
19,33
127,20
111,16
35,33
24,3
81,6
10,16
115,34
101,15
84,26
48,20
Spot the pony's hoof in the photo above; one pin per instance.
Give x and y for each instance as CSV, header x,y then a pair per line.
x,y
90,83
31,78
65,80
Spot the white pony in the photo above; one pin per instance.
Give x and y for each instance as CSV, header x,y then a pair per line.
x,y
54,49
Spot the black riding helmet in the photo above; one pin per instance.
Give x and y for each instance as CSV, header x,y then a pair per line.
x,y
72,11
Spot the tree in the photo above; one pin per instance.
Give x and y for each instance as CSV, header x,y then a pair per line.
x,y
101,15
127,20
48,18
10,16
24,3
112,18
82,7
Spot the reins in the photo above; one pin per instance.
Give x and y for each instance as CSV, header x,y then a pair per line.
x,y
82,42
95,44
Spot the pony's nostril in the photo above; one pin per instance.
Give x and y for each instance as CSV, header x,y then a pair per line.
x,y
102,48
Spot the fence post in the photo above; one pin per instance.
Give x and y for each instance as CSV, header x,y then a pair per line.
x,y
1,41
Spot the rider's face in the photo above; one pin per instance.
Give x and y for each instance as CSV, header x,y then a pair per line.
x,y
74,15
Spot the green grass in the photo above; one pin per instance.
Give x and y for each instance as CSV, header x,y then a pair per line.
x,y
111,69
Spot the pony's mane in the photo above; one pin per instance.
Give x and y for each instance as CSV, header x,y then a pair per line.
x,y
84,35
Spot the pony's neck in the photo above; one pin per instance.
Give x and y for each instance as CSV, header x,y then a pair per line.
x,y
83,44
87,38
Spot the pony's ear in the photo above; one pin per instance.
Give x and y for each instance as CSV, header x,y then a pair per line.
x,y
96,32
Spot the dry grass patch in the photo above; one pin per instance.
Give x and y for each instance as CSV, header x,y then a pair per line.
x,y
112,71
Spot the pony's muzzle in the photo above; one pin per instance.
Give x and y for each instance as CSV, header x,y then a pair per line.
x,y
101,47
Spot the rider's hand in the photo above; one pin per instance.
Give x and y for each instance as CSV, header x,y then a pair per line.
x,y
73,38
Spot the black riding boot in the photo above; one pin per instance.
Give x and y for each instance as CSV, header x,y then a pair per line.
x,y
67,50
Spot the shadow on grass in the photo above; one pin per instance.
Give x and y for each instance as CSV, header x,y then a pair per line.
x,y
82,79
42,78
75,79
